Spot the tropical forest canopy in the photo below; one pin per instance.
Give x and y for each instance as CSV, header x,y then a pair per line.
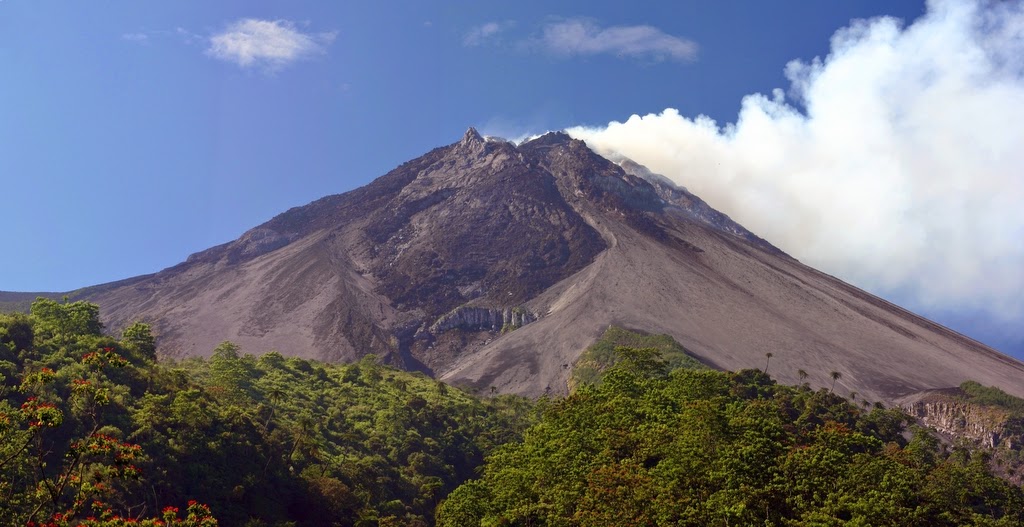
x,y
651,447
95,431
93,426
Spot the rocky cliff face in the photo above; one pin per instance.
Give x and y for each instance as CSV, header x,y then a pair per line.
x,y
481,319
994,427
426,265
947,412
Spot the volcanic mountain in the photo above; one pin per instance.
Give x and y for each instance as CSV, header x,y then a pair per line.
x,y
492,264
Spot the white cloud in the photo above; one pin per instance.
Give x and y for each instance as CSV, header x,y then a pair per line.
x,y
479,34
264,43
903,173
583,37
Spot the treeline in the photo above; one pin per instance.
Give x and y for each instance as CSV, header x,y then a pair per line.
x,y
649,447
95,431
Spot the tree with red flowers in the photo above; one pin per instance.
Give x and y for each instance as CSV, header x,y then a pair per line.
x,y
58,473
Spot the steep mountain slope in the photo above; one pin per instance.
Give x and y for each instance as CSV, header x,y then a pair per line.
x,y
472,224
494,265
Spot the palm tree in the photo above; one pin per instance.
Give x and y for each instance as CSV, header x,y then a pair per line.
x,y
274,395
802,374
835,377
853,396
302,430
767,362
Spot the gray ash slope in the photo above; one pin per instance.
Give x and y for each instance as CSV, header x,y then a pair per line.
x,y
489,264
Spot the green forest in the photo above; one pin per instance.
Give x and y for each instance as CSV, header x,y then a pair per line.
x,y
93,426
96,431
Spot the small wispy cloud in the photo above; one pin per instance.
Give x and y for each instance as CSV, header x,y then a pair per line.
x,y
268,44
135,37
580,36
187,36
480,34
153,36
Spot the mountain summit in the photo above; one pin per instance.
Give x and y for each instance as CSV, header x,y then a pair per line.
x,y
493,264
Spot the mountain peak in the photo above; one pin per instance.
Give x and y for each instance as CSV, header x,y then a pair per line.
x,y
550,139
472,136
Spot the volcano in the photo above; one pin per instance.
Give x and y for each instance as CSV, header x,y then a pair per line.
x,y
491,264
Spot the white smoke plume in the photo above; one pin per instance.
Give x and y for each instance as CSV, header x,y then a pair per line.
x,y
899,165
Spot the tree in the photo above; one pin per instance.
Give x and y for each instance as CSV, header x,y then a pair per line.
x,y
466,505
835,377
769,355
274,396
138,338
16,331
55,320
802,374
642,361
228,373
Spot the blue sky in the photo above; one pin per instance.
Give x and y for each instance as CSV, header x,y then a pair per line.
x,y
135,133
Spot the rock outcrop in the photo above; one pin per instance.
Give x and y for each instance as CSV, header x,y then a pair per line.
x,y
482,318
948,413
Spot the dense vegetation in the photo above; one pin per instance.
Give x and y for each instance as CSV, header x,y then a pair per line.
x,y
93,426
646,447
94,431
601,355
975,393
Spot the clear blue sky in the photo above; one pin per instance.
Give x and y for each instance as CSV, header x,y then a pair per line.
x,y
133,134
